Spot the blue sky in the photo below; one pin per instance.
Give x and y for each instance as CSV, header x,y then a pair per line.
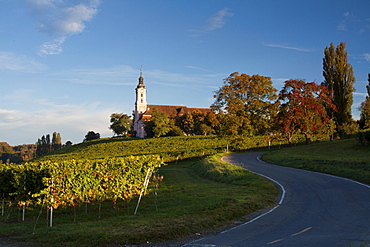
x,y
65,66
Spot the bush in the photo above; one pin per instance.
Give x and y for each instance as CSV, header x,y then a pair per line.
x,y
214,169
363,137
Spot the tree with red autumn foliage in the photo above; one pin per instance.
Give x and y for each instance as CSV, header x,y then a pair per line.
x,y
302,109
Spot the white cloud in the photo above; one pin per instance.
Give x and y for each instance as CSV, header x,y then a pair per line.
x,y
117,75
8,117
360,94
367,56
72,121
59,19
197,68
16,62
126,75
342,26
52,48
289,47
217,21
351,21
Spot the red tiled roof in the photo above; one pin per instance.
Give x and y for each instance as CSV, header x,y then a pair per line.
x,y
172,110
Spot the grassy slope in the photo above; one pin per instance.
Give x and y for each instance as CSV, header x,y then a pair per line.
x,y
344,158
186,203
170,148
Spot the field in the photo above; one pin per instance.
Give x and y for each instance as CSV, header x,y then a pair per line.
x,y
169,148
192,197
345,158
197,193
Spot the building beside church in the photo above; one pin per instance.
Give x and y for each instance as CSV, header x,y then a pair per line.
x,y
143,111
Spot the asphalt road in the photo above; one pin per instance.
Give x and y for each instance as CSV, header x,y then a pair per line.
x,y
314,209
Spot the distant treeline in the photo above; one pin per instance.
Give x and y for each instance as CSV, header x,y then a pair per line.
x,y
26,152
16,154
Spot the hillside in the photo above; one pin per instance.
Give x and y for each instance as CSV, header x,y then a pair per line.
x,y
184,197
16,154
345,158
169,148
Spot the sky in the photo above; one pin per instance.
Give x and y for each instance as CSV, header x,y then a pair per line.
x,y
66,66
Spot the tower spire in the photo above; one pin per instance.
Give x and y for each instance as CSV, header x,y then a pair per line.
x,y
141,79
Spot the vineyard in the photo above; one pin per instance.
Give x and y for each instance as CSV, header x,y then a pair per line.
x,y
105,172
105,169
72,182
169,148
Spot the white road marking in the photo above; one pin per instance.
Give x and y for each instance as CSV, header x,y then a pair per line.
x,y
279,203
273,242
305,230
254,219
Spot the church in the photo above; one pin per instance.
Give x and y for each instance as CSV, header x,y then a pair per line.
x,y
143,111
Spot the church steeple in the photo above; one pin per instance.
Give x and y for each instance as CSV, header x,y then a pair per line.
x,y
141,79
140,107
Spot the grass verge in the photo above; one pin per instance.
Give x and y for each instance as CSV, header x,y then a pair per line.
x,y
186,203
345,158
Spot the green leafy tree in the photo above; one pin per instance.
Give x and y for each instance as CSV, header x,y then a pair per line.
x,y
91,135
158,125
339,79
43,146
245,104
365,109
203,123
187,123
175,130
68,143
302,109
120,124
48,143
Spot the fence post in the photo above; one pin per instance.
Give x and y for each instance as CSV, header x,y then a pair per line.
x,y
51,200
146,182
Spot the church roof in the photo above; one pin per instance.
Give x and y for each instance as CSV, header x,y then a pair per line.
x,y
172,110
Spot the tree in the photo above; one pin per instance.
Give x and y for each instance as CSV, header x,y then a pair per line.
x,y
245,104
302,109
175,130
56,142
203,123
44,145
339,79
68,143
365,109
120,123
48,144
158,125
91,135
187,123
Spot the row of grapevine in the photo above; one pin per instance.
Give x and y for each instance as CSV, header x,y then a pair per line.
x,y
169,148
72,182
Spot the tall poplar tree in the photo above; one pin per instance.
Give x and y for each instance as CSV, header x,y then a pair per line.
x,y
56,141
339,78
365,109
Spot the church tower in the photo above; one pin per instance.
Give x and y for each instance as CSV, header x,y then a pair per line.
x,y
140,107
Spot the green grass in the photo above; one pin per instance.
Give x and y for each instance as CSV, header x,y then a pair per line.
x,y
345,158
186,203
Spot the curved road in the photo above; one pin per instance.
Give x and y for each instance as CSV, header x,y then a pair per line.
x,y
314,210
